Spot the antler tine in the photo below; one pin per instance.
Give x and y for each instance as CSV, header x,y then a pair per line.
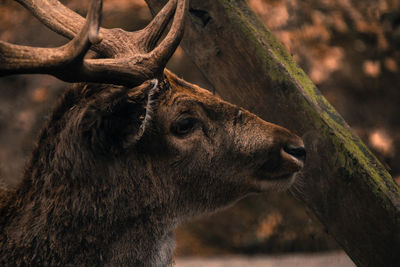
x,y
135,68
168,45
156,27
24,59
93,20
55,16
66,22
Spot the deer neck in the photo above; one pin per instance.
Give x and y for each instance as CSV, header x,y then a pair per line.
x,y
147,244
61,211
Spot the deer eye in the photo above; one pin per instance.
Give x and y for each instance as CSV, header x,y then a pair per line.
x,y
183,126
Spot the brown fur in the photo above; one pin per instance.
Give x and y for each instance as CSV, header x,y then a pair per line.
x,y
96,193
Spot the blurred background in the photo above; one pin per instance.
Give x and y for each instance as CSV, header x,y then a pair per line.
x,y
350,50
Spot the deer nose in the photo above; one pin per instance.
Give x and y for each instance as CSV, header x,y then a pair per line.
x,y
299,152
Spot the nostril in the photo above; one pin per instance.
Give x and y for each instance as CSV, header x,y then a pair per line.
x,y
297,152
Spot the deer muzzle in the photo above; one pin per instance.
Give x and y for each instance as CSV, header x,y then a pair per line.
x,y
285,154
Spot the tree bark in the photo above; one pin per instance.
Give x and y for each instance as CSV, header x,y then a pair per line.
x,y
343,183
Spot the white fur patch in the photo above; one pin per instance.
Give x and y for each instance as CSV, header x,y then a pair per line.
x,y
149,109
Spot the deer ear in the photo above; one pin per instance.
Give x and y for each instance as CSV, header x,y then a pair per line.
x,y
117,120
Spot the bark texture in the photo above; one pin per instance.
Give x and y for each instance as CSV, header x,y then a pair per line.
x,y
343,183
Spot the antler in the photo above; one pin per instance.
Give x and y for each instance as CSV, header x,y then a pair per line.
x,y
131,57
25,59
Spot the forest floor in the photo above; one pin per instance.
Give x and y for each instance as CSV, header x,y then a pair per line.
x,y
332,259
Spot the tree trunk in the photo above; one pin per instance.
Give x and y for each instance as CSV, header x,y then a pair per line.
x,y
344,184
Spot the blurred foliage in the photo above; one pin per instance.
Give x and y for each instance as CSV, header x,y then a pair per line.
x,y
350,49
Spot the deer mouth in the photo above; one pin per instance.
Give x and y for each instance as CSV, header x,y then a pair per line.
x,y
271,177
267,181
279,171
282,177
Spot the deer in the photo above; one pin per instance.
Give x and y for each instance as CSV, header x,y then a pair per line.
x,y
130,150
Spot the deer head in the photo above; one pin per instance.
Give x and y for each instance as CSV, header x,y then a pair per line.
x,y
139,140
